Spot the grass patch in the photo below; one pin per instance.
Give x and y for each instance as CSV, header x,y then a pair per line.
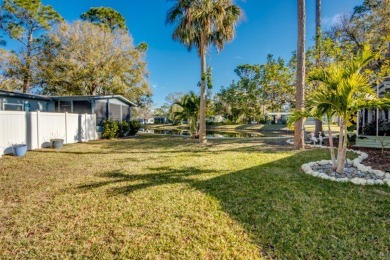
x,y
164,197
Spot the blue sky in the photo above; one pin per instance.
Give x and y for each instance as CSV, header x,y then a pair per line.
x,y
269,26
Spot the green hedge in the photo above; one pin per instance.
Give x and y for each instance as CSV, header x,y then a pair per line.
x,y
114,129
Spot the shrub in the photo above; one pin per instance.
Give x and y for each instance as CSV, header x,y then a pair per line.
x,y
110,129
134,127
123,129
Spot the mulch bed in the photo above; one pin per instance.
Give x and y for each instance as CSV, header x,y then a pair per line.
x,y
376,159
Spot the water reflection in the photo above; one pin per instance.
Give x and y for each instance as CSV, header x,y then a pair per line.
x,y
218,134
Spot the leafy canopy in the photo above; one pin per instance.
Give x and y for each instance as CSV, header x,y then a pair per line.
x,y
20,18
83,59
106,17
203,23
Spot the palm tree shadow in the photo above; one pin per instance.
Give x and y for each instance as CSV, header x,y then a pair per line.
x,y
286,213
290,214
132,182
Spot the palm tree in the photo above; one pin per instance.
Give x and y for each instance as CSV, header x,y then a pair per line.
x,y
318,122
200,24
344,92
300,84
188,110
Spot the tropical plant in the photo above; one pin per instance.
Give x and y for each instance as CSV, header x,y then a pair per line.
x,y
300,79
318,122
200,24
344,91
188,110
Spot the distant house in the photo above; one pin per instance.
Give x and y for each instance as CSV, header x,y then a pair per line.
x,y
114,107
278,117
146,121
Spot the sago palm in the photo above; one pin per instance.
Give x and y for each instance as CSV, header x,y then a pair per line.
x,y
201,24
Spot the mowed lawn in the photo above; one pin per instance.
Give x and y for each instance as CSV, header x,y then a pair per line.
x,y
154,197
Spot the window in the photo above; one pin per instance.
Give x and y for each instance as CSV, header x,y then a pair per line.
x,y
125,113
100,111
115,112
65,106
82,107
12,107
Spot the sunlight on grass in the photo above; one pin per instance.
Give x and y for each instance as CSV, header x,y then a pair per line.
x,y
164,197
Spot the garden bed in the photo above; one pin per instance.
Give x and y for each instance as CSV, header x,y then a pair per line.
x,y
376,159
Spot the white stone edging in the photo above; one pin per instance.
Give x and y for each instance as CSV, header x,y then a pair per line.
x,y
308,169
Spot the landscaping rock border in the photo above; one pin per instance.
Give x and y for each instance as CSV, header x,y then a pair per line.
x,y
367,175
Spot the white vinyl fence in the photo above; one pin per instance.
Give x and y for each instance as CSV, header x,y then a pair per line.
x,y
37,128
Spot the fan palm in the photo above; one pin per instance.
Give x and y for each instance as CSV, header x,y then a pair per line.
x,y
188,110
200,24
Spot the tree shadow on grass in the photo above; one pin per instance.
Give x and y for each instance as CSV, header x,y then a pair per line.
x,y
286,213
156,176
293,215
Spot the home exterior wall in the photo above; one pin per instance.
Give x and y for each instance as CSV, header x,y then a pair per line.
x,y
113,107
104,108
25,104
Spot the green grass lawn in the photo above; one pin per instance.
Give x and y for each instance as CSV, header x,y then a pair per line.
x,y
157,197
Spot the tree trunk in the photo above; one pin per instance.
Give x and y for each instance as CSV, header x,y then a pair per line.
x,y
27,73
300,85
318,123
332,154
341,139
343,152
202,110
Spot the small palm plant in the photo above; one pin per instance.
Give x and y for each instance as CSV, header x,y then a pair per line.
x,y
343,91
188,110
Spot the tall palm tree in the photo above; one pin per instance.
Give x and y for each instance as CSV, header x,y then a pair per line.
x,y
300,84
189,110
200,24
318,122
344,92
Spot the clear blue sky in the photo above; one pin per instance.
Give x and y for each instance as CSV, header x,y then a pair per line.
x,y
269,26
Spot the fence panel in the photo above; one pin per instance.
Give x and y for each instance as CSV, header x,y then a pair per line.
x,y
13,126
91,127
37,128
50,126
74,130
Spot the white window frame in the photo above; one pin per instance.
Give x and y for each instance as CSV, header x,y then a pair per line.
x,y
13,104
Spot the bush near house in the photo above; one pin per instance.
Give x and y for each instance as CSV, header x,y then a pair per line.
x,y
123,129
134,127
112,129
